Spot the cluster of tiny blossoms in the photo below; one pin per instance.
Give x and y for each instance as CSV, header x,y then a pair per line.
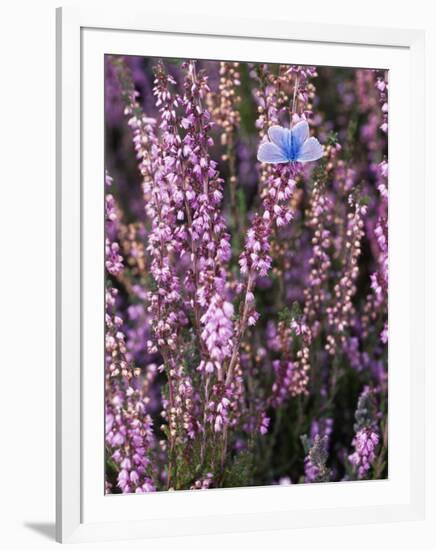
x,y
320,221
315,468
183,192
114,261
382,87
318,443
367,436
340,312
379,279
130,437
291,372
129,427
365,443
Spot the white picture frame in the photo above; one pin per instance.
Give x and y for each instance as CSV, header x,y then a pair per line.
x,y
83,512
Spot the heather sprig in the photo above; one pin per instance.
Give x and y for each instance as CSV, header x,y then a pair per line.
x,y
225,112
315,468
367,435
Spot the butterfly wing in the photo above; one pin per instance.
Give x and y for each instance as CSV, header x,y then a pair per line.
x,y
269,152
300,132
311,150
279,136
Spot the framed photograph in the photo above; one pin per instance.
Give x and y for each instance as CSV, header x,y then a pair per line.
x,y
240,275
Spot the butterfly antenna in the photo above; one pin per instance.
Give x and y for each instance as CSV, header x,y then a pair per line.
x,y
294,99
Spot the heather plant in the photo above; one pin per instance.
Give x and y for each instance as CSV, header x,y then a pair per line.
x,y
246,261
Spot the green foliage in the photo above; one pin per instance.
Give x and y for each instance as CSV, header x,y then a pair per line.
x,y
287,315
240,471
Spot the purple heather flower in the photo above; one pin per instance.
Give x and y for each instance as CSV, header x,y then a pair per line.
x,y
264,424
203,483
315,468
114,261
367,434
365,443
217,333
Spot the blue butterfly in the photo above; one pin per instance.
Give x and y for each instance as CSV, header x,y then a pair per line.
x,y
290,145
